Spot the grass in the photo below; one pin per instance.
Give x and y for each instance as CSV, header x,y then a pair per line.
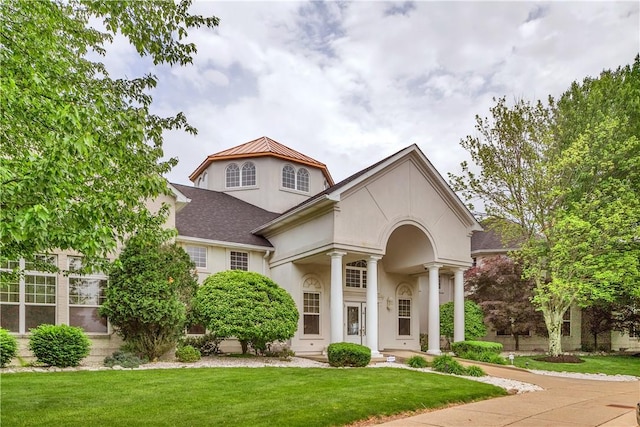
x,y
610,365
226,396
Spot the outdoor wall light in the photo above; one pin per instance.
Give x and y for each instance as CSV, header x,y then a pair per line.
x,y
389,303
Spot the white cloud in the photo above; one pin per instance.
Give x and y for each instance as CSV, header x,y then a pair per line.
x,y
350,83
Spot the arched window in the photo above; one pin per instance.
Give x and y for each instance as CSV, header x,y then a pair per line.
x,y
202,181
233,175
311,305
248,174
288,177
403,296
303,180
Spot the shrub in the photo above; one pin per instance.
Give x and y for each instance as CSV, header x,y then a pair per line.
x,y
448,365
248,306
124,359
417,362
474,371
208,344
59,345
151,287
187,354
283,353
8,347
347,354
461,347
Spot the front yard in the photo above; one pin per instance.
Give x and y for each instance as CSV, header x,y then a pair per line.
x,y
226,396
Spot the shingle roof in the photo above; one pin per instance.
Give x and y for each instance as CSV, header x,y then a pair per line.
x,y
263,146
213,215
487,240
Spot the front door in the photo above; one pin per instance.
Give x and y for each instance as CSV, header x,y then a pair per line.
x,y
356,324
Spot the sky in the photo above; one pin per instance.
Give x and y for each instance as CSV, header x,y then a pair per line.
x,y
349,83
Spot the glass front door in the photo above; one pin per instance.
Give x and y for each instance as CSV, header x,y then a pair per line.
x,y
355,322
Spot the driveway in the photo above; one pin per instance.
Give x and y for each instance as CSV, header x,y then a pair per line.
x,y
564,402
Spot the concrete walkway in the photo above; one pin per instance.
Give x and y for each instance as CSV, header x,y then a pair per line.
x,y
565,402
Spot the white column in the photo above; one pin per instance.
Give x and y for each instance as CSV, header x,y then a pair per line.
x,y
372,305
336,297
458,306
434,309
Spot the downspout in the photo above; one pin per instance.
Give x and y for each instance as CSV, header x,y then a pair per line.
x,y
264,262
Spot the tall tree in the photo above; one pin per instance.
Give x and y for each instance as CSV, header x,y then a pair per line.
x,y
566,177
81,151
505,296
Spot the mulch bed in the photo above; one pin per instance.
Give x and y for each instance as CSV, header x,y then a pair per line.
x,y
562,358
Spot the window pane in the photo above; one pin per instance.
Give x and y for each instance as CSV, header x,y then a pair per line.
x,y
288,177
40,289
352,278
239,261
196,330
36,315
9,317
312,324
248,174
48,261
198,255
303,180
311,303
404,307
404,326
86,291
233,175
10,292
88,319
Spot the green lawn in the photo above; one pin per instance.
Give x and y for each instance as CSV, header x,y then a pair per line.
x,y
226,396
610,365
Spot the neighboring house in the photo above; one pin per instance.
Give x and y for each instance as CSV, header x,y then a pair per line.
x,y
367,260
487,243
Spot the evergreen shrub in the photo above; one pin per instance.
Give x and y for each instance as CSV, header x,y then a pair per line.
x,y
8,347
59,345
347,354
187,354
417,362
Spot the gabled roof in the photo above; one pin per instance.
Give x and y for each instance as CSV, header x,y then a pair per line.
x,y
212,215
332,194
261,147
490,241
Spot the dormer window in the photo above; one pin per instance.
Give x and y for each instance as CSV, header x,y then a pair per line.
x,y
248,174
295,180
302,182
288,177
233,176
202,181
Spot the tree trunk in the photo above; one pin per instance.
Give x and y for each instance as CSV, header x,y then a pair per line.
x,y
517,338
554,326
245,346
595,342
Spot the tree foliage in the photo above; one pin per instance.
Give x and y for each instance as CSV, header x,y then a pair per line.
x,y
505,296
474,326
151,289
81,151
564,178
247,306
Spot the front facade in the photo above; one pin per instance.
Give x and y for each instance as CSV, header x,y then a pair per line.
x,y
368,260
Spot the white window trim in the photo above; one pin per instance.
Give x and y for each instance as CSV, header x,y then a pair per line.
x,y
206,256
226,176
229,252
255,172
93,275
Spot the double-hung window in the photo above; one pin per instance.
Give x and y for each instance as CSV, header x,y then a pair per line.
x,y
239,261
86,295
28,293
198,255
311,313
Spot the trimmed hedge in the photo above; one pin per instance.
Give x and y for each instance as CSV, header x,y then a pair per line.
x,y
476,347
59,345
8,347
347,354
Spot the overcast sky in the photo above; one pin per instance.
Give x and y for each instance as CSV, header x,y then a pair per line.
x,y
349,83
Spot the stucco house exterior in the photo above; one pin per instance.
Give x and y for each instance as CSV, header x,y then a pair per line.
x,y
367,260
575,335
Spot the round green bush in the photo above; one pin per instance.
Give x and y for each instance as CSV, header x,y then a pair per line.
x,y
125,359
417,362
342,354
59,345
188,354
8,347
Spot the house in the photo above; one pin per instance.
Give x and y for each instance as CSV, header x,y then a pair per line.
x,y
488,243
367,260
